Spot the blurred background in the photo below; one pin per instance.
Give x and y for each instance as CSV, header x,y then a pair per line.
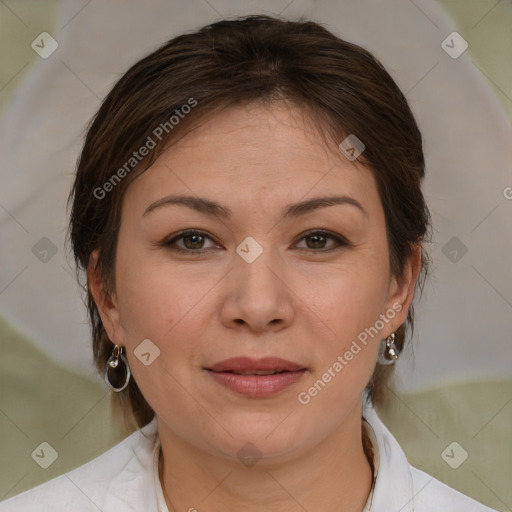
x,y
451,408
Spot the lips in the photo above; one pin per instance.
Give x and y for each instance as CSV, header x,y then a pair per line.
x,y
256,378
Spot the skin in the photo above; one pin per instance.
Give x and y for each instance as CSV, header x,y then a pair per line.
x,y
296,301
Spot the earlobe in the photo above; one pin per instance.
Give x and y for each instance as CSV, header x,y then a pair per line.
x,y
107,308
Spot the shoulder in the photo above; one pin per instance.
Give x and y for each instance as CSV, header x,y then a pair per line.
x,y
432,495
97,484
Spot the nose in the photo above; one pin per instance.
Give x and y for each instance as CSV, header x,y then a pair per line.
x,y
257,296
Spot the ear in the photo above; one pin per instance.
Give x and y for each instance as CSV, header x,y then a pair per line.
x,y
105,303
401,292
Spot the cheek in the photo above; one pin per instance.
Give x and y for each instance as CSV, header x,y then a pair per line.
x,y
349,300
344,357
165,307
347,304
162,303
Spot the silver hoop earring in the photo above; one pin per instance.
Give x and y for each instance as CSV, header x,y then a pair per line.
x,y
117,372
388,352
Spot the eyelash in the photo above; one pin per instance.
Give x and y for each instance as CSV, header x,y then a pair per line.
x,y
338,239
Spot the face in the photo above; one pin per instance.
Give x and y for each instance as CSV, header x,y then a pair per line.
x,y
254,266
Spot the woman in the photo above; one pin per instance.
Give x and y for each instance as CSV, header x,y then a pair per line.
x,y
248,210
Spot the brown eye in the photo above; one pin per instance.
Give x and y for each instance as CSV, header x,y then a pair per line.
x,y
316,241
190,242
193,241
323,241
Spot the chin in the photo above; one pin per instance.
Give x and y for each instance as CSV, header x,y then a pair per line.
x,y
265,438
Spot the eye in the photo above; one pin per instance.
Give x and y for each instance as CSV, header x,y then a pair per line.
x,y
317,240
191,241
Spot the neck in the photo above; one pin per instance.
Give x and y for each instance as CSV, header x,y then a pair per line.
x,y
334,476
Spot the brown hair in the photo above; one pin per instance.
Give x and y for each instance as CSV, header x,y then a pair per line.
x,y
343,89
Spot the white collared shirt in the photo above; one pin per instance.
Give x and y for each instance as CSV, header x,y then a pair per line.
x,y
125,478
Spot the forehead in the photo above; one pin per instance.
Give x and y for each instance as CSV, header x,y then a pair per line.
x,y
264,135
250,153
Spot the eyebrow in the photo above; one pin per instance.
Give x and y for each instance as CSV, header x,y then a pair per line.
x,y
214,209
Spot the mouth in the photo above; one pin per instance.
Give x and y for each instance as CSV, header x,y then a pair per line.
x,y
256,378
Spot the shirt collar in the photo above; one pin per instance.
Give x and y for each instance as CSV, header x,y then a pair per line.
x,y
393,489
